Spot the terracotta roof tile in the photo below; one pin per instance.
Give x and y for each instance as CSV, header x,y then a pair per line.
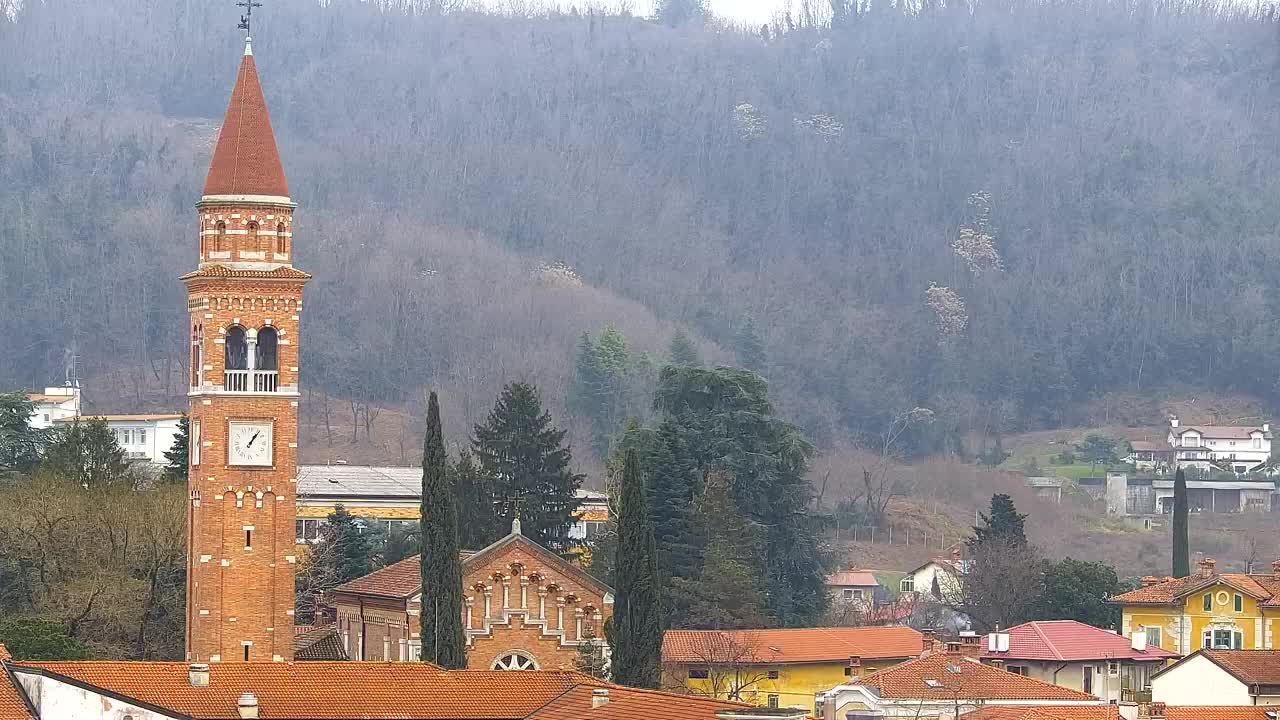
x,y
1252,667
222,271
12,706
245,160
319,643
1263,587
794,645
332,690
632,704
1044,712
1219,712
1070,640
973,680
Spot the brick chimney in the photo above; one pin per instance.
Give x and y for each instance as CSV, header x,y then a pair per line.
x,y
1207,566
1275,571
970,644
1149,580
930,641
599,698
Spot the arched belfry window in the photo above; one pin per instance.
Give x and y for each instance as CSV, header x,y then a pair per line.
x,y
281,246
236,356
220,239
265,354
251,242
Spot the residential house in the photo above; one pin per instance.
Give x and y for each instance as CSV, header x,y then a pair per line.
x,y
391,497
937,578
1204,610
1240,448
52,405
1150,455
525,608
941,685
782,667
143,438
1078,656
113,690
852,585
1220,677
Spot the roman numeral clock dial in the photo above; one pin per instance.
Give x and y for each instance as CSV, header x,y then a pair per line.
x,y
249,443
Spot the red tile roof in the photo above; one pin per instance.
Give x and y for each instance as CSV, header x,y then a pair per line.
x,y
12,706
631,704
1262,587
1044,712
319,643
793,645
332,690
1227,432
245,160
1219,712
1070,640
1252,667
362,690
954,674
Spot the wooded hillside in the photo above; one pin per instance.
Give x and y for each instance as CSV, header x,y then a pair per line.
x,y
993,212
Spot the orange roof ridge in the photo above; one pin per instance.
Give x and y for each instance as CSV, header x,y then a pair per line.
x,y
1043,638
245,160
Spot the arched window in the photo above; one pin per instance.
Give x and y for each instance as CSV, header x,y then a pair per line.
x,y
281,246
236,355
197,356
220,239
265,355
251,242
515,660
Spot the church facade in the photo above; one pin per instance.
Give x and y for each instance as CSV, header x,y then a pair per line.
x,y
245,302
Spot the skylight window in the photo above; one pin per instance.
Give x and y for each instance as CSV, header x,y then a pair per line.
x,y
933,683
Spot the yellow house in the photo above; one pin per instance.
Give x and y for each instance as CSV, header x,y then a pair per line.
x,y
390,496
1205,610
780,668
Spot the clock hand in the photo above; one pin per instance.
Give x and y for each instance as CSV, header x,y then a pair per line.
x,y
255,437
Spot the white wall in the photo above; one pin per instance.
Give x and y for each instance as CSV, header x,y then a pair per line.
x,y
56,700
160,437
1198,681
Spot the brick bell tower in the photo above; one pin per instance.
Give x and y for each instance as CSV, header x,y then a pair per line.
x,y
245,299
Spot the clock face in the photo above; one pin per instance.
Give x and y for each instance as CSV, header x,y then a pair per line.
x,y
249,443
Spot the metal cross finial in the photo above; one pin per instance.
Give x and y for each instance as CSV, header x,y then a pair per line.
x,y
510,506
246,20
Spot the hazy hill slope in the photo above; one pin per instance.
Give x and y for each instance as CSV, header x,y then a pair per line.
x,y
815,181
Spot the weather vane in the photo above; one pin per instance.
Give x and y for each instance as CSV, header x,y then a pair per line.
x,y
246,20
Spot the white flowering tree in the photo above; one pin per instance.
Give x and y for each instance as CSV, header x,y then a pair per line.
x,y
976,242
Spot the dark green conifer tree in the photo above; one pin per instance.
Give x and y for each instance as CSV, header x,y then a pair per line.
x,y
526,459
20,444
355,551
1004,523
86,452
443,642
175,470
748,346
1181,534
478,524
637,616
684,350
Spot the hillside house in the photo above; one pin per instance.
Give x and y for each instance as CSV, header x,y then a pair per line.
x,y
1129,495
1150,455
52,405
853,585
780,667
1078,656
143,438
1237,448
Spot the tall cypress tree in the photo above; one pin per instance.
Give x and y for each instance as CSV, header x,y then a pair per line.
x,y
443,642
636,631
1181,539
527,460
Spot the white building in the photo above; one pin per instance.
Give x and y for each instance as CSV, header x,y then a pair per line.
x,y
144,438
1220,677
1241,448
939,578
52,405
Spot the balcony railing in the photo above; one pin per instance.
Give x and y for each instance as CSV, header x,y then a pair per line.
x,y
1137,696
258,381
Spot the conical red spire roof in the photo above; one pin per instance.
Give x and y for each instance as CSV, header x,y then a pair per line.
x,y
245,161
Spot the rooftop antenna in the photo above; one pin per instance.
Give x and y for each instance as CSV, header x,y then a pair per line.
x,y
246,20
